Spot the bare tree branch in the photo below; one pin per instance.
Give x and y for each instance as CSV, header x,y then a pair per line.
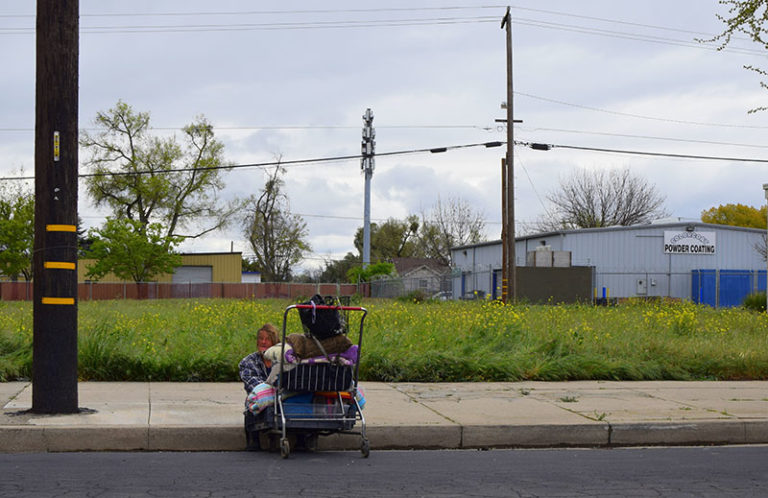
x,y
588,199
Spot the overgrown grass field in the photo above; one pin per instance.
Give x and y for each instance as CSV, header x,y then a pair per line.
x,y
203,340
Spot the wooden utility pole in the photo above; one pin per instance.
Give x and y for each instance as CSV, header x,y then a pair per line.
x,y
54,353
504,286
510,271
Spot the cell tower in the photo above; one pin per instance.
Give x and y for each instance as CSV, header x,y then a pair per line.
x,y
368,149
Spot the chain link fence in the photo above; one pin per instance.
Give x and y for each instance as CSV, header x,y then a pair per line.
x,y
717,288
435,287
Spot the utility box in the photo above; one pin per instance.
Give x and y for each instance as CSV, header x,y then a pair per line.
x,y
642,287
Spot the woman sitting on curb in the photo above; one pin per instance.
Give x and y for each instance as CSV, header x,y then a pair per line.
x,y
254,369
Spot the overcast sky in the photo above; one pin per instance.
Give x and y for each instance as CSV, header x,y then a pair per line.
x,y
294,78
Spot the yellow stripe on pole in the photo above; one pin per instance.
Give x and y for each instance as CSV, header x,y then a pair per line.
x,y
58,300
58,265
60,228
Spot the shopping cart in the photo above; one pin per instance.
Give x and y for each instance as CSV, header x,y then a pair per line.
x,y
314,398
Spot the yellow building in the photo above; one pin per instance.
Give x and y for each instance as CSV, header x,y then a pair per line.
x,y
219,267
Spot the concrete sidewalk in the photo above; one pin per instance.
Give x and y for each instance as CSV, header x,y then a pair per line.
x,y
208,416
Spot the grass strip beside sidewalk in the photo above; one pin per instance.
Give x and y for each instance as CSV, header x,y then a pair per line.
x,y
203,340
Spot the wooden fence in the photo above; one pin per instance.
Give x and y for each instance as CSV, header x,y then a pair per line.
x,y
94,291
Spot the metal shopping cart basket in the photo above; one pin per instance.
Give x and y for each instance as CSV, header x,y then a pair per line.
x,y
314,398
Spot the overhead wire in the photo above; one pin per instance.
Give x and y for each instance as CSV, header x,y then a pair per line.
x,y
549,146
613,21
293,12
272,12
357,23
267,164
290,127
645,137
532,145
271,26
633,36
638,116
519,160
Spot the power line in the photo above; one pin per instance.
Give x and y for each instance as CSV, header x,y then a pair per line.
x,y
530,180
287,25
532,145
614,21
271,12
290,127
271,26
632,36
433,150
356,23
647,137
638,116
371,10
545,146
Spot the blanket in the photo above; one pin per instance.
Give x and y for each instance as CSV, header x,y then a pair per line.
x,y
306,347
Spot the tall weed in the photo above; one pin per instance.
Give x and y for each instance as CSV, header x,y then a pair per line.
x,y
203,340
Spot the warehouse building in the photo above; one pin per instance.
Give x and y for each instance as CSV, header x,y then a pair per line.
x,y
195,268
713,264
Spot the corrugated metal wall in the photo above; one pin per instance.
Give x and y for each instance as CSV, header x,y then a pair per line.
x,y
628,261
226,267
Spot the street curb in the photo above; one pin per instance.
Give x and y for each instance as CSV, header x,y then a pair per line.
x,y
689,433
534,436
26,439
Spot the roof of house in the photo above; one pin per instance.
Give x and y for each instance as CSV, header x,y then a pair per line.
x,y
407,265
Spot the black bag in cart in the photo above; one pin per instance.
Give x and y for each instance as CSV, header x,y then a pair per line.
x,y
321,323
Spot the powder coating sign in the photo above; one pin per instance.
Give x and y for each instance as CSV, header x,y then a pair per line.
x,y
695,243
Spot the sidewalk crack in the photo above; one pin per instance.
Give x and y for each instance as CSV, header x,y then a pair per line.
x,y
415,400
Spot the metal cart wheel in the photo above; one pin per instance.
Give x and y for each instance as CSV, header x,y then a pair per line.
x,y
285,448
365,448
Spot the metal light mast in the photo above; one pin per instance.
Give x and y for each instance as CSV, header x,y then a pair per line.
x,y
368,149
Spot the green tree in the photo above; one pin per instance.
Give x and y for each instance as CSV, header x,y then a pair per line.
x,y
360,274
738,215
748,17
277,237
149,179
392,239
17,231
131,251
248,264
449,224
336,270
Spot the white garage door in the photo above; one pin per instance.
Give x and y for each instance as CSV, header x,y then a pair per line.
x,y
193,274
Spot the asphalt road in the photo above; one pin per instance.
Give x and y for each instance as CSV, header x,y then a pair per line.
x,y
645,472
